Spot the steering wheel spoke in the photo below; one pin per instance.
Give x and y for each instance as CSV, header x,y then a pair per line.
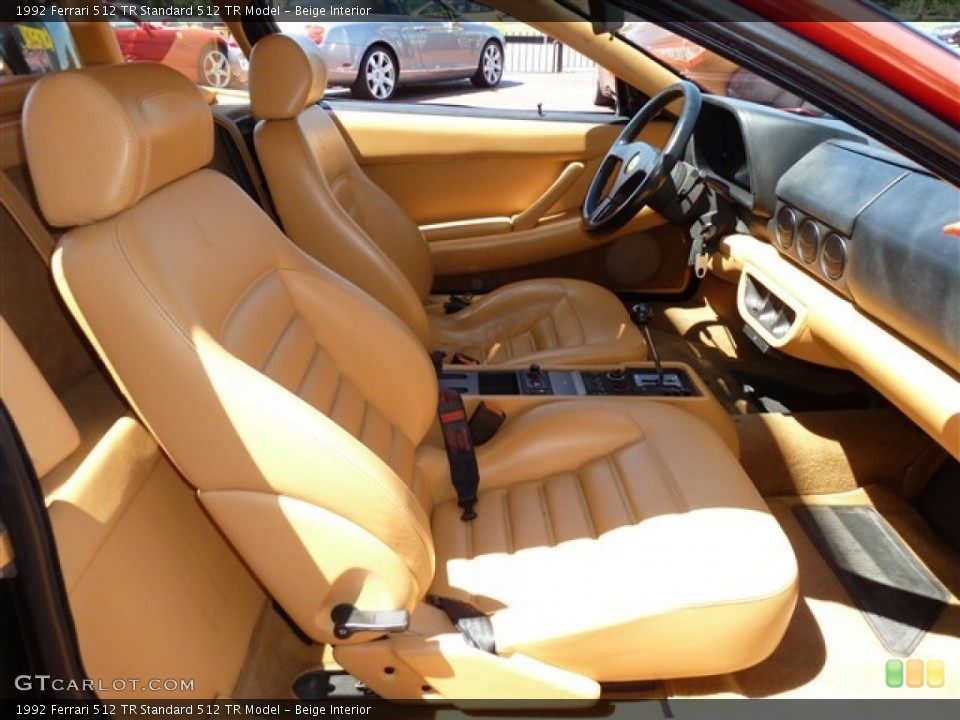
x,y
640,168
603,207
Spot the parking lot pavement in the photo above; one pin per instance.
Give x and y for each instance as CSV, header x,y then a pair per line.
x,y
571,91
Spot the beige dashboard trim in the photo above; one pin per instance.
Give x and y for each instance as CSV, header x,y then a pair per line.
x,y
797,326
925,390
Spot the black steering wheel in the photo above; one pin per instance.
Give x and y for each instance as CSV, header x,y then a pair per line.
x,y
642,168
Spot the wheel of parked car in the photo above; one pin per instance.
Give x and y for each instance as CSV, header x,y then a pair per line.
x,y
214,68
490,70
377,79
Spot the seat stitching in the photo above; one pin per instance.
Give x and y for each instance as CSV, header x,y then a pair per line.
x,y
545,514
573,311
621,490
364,412
507,526
336,394
551,323
228,320
277,343
578,483
306,372
666,477
533,338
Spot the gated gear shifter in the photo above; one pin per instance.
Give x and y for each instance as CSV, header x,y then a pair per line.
x,y
642,314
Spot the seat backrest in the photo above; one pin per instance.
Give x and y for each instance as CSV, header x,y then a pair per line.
x,y
261,373
49,434
327,204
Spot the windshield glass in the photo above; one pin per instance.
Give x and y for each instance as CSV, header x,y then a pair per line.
x,y
937,20
710,71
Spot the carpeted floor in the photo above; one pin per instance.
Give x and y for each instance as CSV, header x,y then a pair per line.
x,y
277,656
835,451
829,650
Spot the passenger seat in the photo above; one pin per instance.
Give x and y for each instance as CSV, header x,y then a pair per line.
x,y
615,540
331,209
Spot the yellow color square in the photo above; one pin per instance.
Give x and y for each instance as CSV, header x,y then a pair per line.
x,y
935,673
914,673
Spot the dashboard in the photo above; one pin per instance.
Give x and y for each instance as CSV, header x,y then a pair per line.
x,y
862,220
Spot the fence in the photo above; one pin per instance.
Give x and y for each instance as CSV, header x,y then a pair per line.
x,y
542,54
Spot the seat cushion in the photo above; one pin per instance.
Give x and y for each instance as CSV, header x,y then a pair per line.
x,y
619,542
544,321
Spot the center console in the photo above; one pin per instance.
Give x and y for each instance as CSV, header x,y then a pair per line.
x,y
518,390
625,382
515,391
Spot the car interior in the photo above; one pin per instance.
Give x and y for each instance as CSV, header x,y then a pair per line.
x,y
710,353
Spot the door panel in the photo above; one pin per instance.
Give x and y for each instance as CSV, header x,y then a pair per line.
x,y
467,179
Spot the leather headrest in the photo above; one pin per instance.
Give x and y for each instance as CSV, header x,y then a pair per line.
x,y
287,74
99,140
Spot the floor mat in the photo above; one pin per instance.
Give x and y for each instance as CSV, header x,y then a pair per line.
x,y
898,597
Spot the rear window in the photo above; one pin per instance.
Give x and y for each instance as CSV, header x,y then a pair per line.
x,y
37,48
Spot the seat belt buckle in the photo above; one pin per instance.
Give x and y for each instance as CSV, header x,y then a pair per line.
x,y
485,422
460,358
468,506
456,303
437,357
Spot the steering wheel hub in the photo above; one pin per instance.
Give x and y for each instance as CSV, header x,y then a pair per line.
x,y
633,172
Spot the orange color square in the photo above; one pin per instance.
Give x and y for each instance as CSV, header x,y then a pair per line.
x,y
935,673
914,673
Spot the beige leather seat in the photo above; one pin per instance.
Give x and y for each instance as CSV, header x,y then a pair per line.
x,y
331,209
615,540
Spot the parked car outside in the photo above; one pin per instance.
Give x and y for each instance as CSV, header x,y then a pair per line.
x,y
405,42
693,62
948,34
201,53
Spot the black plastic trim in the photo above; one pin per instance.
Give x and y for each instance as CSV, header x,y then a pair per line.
x,y
904,270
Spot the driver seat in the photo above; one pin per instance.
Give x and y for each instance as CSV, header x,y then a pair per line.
x,y
331,209
616,539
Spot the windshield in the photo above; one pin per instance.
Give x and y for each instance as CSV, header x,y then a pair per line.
x,y
710,71
937,20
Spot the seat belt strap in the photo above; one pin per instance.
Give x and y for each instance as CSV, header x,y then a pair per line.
x,y
474,624
464,472
24,216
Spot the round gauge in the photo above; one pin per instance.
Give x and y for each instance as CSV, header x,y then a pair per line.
x,y
786,227
809,241
834,257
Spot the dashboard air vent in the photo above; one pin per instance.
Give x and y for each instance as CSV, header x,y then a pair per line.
x,y
834,258
809,242
786,227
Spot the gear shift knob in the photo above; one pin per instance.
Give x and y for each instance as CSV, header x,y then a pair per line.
x,y
641,313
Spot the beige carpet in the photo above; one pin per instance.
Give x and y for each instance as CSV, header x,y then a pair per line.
x,y
835,451
276,658
829,650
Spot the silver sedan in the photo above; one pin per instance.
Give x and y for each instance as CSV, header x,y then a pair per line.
x,y
404,42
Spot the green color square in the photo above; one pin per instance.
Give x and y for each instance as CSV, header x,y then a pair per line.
x,y
894,673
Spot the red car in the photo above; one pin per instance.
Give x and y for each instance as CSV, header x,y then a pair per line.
x,y
200,53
